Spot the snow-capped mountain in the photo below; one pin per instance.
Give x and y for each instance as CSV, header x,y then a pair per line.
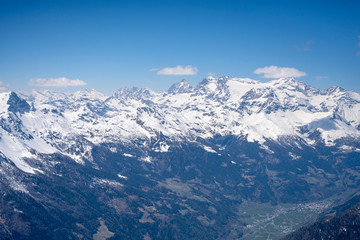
x,y
187,163
48,122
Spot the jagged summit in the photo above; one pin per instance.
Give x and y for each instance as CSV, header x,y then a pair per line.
x,y
212,85
17,105
133,93
335,89
180,87
10,101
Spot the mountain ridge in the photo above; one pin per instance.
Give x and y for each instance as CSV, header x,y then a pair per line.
x,y
225,106
183,164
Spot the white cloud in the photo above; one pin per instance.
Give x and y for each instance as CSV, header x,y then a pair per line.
x,y
306,46
2,88
279,72
56,82
178,70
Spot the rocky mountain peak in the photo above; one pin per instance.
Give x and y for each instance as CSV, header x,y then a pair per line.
x,y
211,85
335,90
180,87
133,93
17,104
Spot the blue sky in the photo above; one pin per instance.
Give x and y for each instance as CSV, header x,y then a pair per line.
x,y
107,45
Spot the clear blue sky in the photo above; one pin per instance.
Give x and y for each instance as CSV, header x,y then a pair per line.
x,y
112,44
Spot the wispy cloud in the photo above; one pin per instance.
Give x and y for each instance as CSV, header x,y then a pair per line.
x,y
358,52
56,82
178,70
2,88
306,46
153,69
279,72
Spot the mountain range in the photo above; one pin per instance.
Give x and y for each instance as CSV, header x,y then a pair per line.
x,y
187,163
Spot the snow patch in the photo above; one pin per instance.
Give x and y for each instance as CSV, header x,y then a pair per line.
x,y
121,176
163,147
209,149
147,159
128,155
100,181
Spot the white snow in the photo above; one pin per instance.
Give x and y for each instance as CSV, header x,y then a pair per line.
x,y
121,176
218,107
209,149
100,181
146,159
163,147
239,86
16,149
128,155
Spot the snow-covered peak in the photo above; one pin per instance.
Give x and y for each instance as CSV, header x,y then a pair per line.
x,y
335,90
211,85
180,87
239,86
89,94
292,86
45,96
282,81
288,83
133,93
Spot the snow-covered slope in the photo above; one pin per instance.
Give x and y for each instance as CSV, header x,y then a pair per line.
x,y
71,124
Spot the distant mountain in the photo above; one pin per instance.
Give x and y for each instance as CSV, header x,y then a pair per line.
x,y
187,163
259,112
180,87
